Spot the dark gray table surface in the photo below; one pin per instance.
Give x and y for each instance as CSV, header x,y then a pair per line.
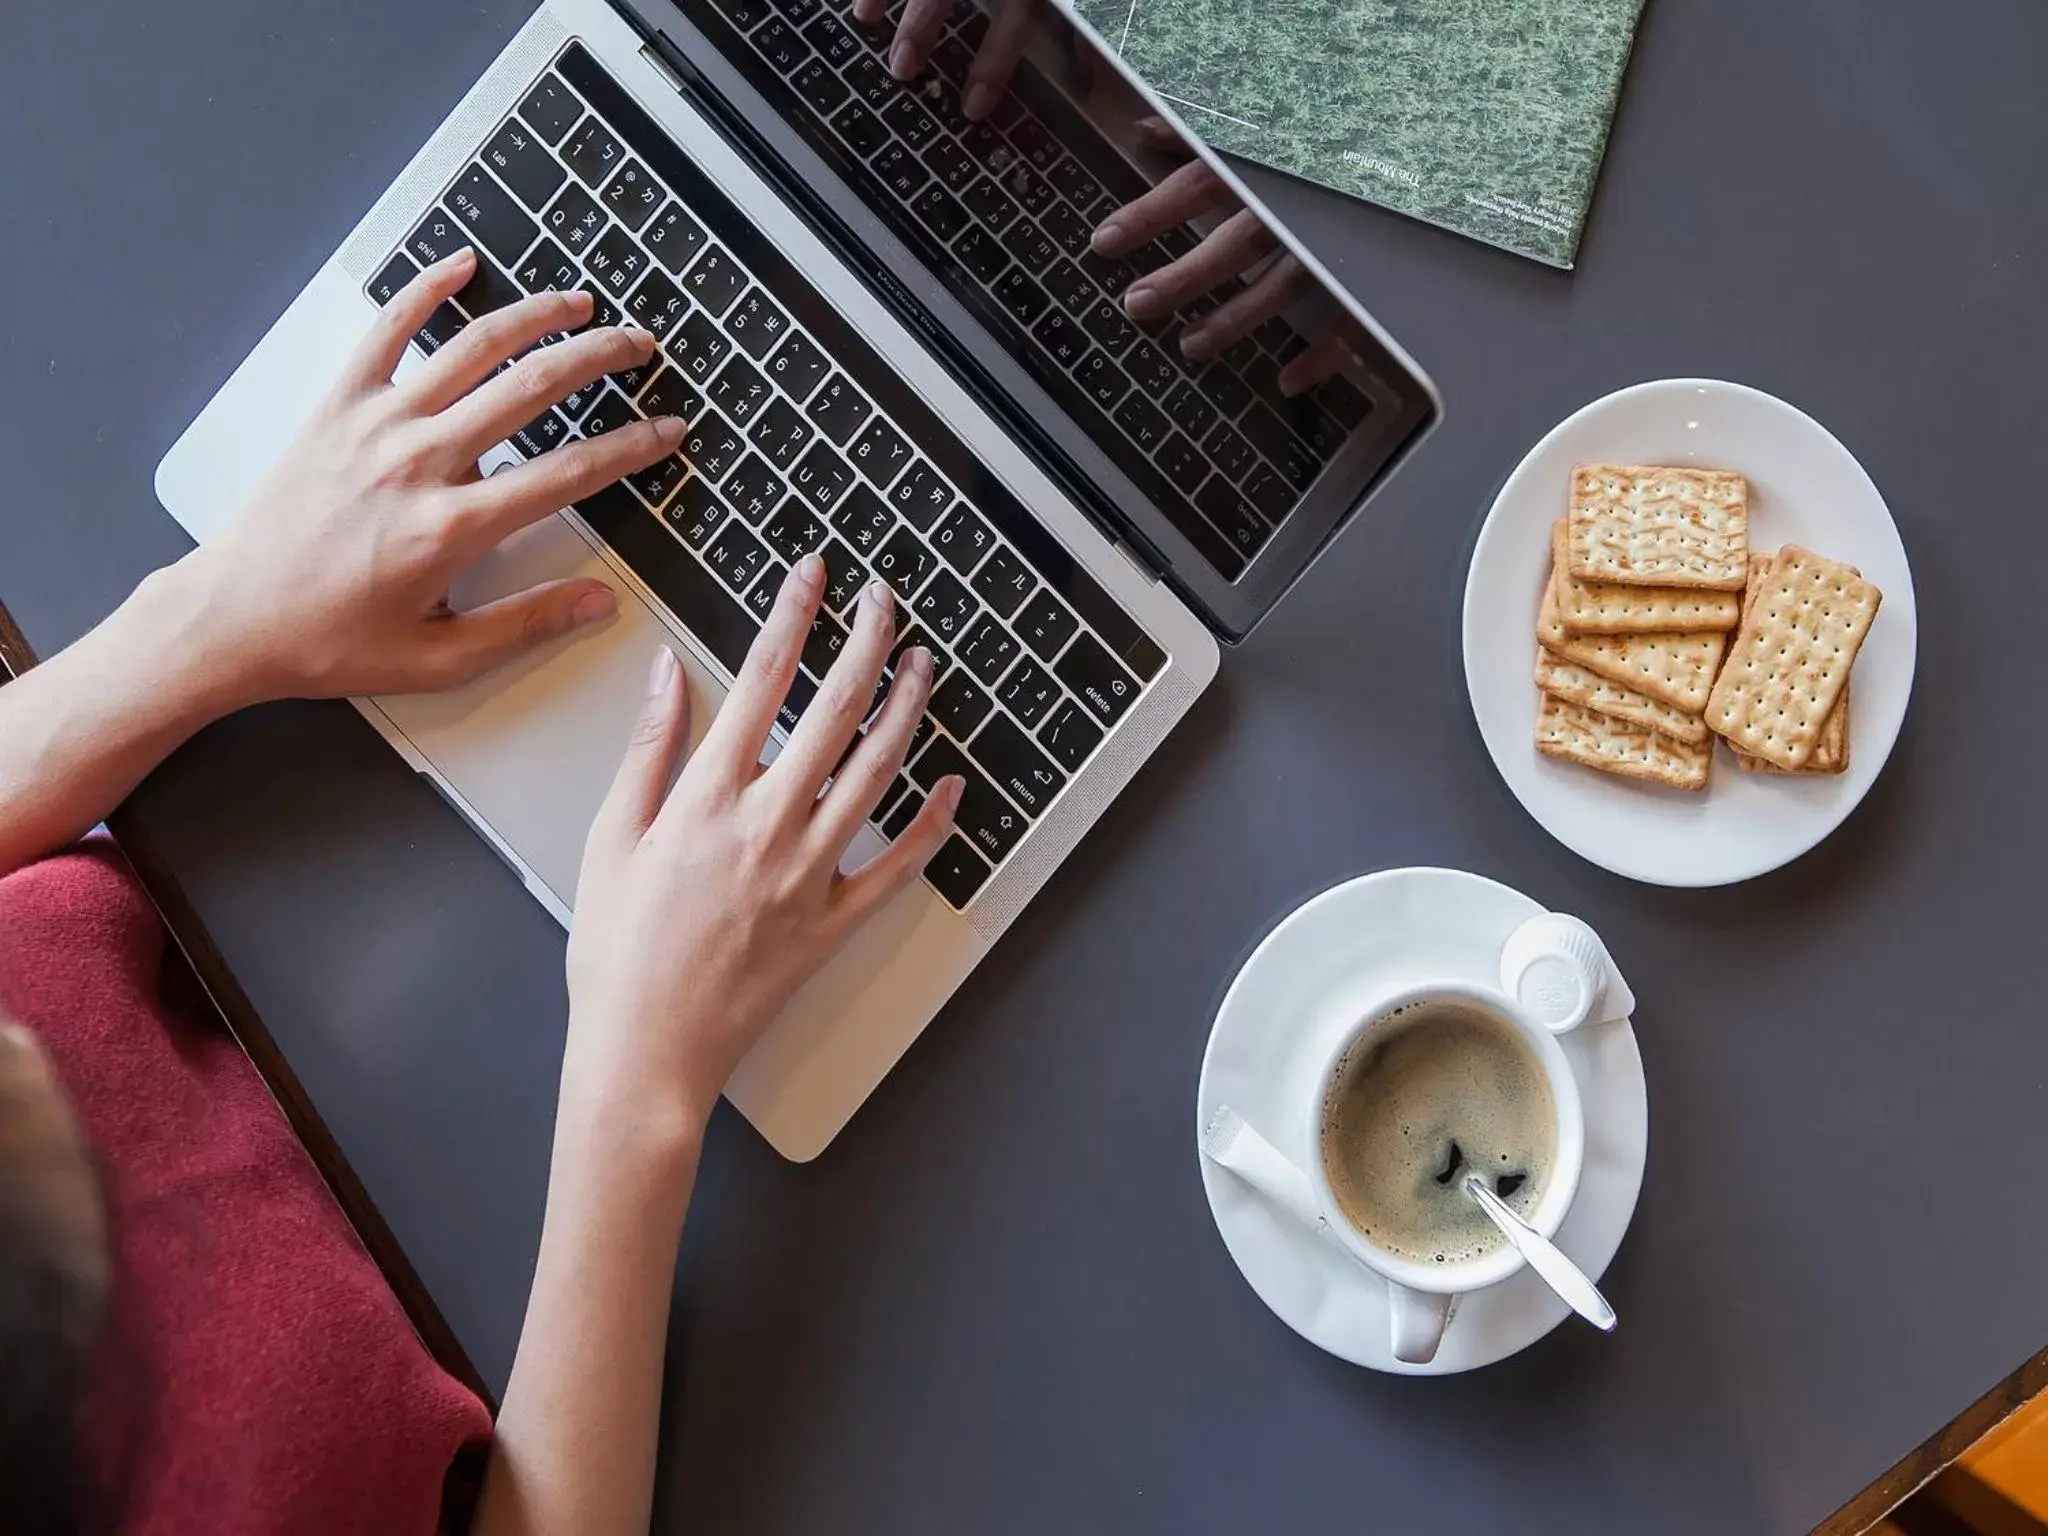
x,y
998,1304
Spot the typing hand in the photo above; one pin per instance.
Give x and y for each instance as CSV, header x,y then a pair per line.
x,y
703,908
924,23
334,578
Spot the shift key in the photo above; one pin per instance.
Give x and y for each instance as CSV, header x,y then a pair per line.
x,y
985,818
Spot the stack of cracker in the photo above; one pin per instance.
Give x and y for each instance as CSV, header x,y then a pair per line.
x,y
1648,570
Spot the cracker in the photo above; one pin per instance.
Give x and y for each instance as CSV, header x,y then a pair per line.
x,y
1610,608
1674,669
1792,658
1580,735
1831,748
1657,526
1574,684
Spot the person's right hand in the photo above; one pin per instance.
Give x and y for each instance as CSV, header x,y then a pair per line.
x,y
702,908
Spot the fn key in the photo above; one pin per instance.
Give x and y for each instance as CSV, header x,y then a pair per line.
x,y
956,872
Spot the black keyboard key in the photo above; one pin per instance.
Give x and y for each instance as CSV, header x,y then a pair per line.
x,y
387,284
658,481
988,650
781,433
1070,232
1064,341
820,87
550,109
1286,451
760,602
714,280
920,496
1224,390
985,817
1105,321
757,324
944,607
1029,692
951,164
899,171
864,521
1186,408
1044,624
956,872
839,409
797,366
794,531
752,488
1023,298
1067,283
1152,369
1111,274
1142,420
616,262
896,815
821,477
632,195
1103,380
870,81
736,555
668,395
1075,183
523,164
953,59
990,205
963,538
1034,194
906,640
1004,581
863,131
832,40
1032,247
577,401
1031,140
1070,735
698,347
1183,463
633,380
915,126
780,46
904,563
540,434
1344,403
656,304
880,453
1221,503
823,644
1097,679
1313,426
574,219
547,268
673,238
1267,489
1019,769
844,576
940,212
981,254
697,513
486,290
439,236
592,153
712,447
603,312
1228,450
745,15
740,390
959,706
611,412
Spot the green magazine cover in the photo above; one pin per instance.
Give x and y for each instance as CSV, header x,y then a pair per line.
x,y
1488,117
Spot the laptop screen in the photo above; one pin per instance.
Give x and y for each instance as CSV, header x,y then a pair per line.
x,y
1236,405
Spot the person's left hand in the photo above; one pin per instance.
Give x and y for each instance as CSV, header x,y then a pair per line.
x,y
334,578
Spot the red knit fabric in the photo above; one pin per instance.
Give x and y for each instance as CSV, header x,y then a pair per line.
x,y
286,1391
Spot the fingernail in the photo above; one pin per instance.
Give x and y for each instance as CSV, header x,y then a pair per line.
x,y
948,794
1106,236
880,595
669,429
900,58
1138,301
809,572
662,672
578,299
598,603
980,98
919,660
461,258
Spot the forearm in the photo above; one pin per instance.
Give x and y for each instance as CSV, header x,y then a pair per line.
x,y
575,1441
80,731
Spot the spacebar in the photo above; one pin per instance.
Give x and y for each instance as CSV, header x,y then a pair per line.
x,y
672,574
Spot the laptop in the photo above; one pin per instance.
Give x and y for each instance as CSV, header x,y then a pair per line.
x,y
892,343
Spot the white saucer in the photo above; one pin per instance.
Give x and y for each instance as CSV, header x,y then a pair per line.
x,y
1805,488
1303,985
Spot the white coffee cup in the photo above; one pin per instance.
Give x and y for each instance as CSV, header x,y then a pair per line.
x,y
1420,1295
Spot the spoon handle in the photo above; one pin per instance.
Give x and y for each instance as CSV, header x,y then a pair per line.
x,y
1546,1258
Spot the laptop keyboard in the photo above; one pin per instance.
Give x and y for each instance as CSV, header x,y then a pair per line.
x,y
1005,209
799,439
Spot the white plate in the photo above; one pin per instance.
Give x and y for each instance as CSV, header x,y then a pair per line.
x,y
1805,488
1304,984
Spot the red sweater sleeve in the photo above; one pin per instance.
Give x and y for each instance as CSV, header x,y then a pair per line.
x,y
284,1387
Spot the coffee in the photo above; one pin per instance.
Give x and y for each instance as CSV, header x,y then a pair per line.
x,y
1439,1090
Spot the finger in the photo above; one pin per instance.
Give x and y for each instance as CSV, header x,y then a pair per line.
x,y
1161,137
871,887
468,644
1189,190
507,401
820,738
1239,315
1325,357
1240,241
870,13
376,357
917,34
495,508
996,60
471,357
641,784
866,775
734,742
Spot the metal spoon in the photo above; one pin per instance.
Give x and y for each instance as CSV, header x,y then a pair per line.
x,y
1544,1256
